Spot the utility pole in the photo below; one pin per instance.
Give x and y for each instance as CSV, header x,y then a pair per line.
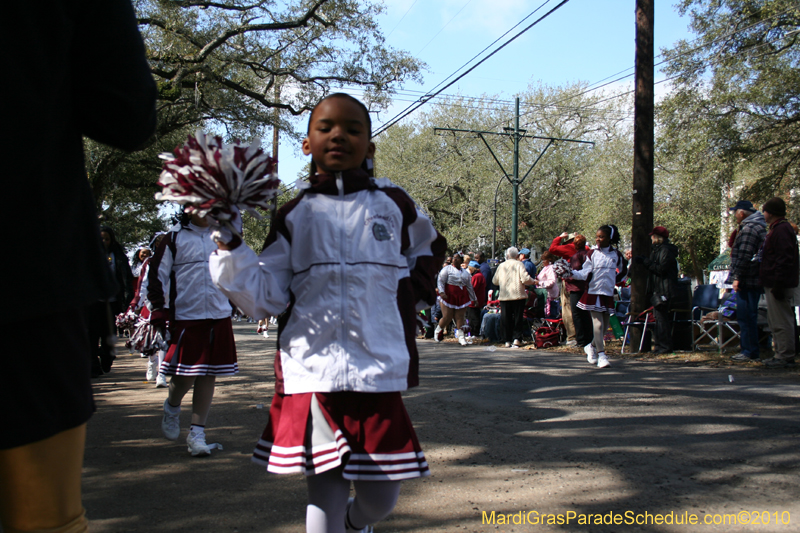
x,y
643,141
516,134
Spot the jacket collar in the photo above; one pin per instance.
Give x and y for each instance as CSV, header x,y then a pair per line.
x,y
353,180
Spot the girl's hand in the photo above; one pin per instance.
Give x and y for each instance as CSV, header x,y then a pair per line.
x,y
232,245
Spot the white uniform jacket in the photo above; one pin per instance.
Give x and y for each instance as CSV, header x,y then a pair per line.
x,y
347,264
458,277
607,267
178,278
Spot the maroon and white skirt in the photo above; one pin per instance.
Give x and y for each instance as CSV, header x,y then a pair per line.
x,y
596,302
370,434
201,348
457,297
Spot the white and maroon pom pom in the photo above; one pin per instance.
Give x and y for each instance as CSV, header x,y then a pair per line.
x,y
210,177
562,269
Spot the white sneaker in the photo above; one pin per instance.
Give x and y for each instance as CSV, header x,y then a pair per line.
x,y
197,444
161,381
171,423
517,343
508,345
266,334
602,360
152,369
590,355
462,339
438,334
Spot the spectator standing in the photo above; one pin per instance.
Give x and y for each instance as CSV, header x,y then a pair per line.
x,y
79,68
563,246
486,269
548,280
749,237
779,273
512,278
581,318
530,266
474,309
662,281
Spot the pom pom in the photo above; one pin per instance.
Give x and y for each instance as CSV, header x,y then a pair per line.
x,y
562,269
210,178
147,338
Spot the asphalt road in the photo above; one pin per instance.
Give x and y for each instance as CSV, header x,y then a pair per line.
x,y
520,433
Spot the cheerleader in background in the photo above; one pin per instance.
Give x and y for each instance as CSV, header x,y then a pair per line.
x,y
455,295
140,305
607,266
201,347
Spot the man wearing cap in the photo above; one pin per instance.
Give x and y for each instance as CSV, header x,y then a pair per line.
x,y
778,274
564,247
525,257
661,285
744,276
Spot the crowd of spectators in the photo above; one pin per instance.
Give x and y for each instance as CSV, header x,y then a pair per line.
x,y
764,267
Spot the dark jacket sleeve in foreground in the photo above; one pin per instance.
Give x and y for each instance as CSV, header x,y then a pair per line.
x,y
72,68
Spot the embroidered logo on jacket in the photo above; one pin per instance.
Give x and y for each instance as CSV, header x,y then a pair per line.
x,y
380,232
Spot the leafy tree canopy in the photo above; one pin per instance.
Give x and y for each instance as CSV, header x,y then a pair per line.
x,y
242,67
737,94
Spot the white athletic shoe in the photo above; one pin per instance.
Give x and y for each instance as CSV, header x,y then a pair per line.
x,y
462,339
438,334
602,360
171,423
197,444
266,333
590,355
161,381
152,369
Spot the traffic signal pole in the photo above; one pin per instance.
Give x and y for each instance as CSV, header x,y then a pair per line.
x,y
516,134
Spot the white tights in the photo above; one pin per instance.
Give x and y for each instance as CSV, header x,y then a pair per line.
x,y
327,502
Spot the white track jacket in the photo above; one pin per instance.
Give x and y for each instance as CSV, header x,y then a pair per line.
x,y
346,265
178,278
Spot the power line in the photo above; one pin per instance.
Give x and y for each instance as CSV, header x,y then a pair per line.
x,y
427,97
443,27
401,18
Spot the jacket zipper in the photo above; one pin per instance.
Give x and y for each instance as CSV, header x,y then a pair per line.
x,y
343,277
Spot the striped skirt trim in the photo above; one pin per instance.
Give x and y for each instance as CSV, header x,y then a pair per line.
x,y
198,370
598,303
367,435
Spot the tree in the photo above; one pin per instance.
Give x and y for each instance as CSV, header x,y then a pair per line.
x,y
737,94
227,65
453,176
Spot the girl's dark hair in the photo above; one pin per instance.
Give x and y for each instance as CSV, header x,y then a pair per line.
x,y
612,232
115,245
548,256
360,104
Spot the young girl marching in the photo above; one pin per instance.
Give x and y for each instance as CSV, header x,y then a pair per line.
x,y
606,266
354,259
179,290
455,295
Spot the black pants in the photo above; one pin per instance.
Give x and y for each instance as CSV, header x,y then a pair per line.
x,y
663,332
582,320
100,329
512,310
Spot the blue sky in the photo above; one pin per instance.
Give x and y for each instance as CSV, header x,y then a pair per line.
x,y
584,40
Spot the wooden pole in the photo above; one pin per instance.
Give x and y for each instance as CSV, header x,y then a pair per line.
x,y
643,141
